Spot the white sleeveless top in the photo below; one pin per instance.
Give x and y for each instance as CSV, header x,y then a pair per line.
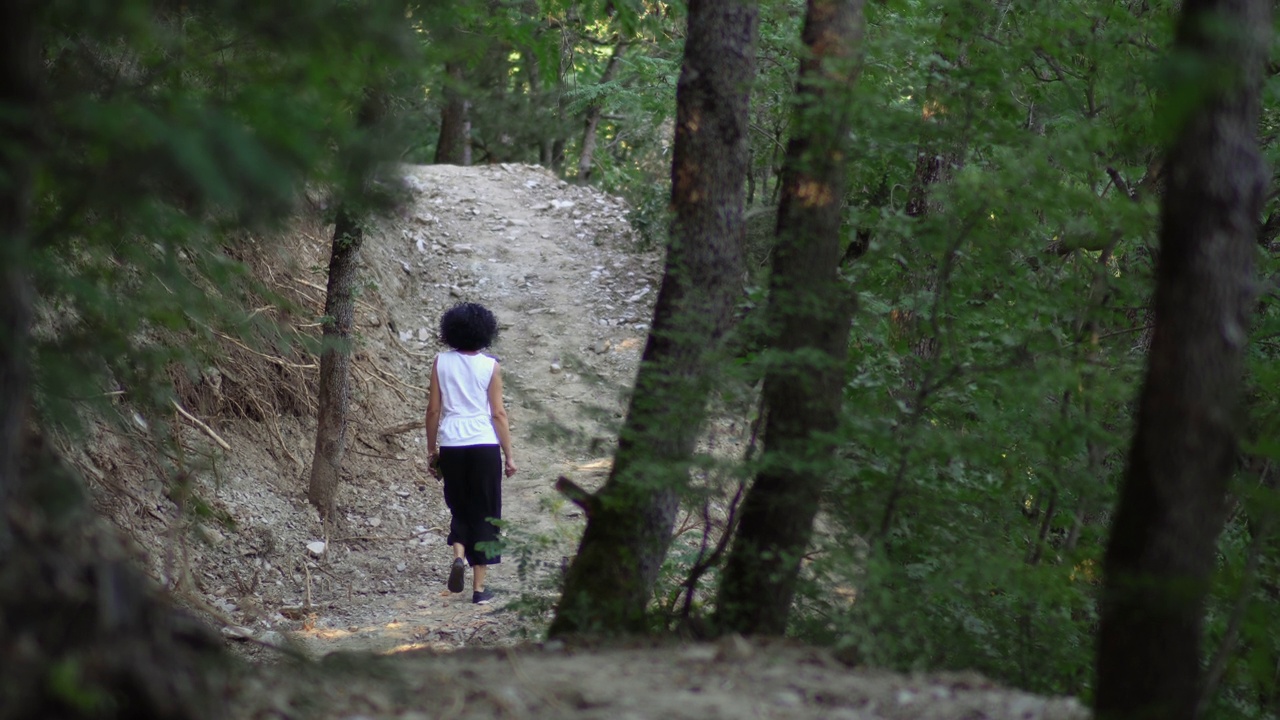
x,y
466,418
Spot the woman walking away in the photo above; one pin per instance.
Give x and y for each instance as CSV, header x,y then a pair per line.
x,y
466,429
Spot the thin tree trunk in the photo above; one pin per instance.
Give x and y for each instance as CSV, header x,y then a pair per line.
x,y
938,157
335,365
1160,556
19,95
629,521
454,145
339,309
809,309
538,92
592,124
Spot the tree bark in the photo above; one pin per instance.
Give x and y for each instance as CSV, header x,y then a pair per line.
x,y
592,123
454,145
809,310
629,521
339,310
1161,553
938,157
19,95
335,364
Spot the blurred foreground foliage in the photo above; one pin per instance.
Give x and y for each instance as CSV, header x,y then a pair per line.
x,y
174,137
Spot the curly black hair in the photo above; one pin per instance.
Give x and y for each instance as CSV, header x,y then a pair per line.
x,y
468,327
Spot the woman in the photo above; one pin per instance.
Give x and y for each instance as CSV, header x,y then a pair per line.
x,y
467,440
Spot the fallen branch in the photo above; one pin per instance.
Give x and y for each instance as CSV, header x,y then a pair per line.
x,y
285,448
200,424
393,378
384,381
314,286
400,429
377,456
270,358
373,538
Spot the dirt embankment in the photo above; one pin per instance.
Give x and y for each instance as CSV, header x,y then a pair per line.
x,y
573,293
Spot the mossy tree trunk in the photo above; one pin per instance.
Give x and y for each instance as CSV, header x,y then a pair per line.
x,y
809,312
1162,550
629,521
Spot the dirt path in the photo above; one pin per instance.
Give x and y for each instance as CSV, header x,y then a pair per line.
x,y
559,267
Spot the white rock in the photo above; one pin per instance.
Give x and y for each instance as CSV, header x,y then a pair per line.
x,y
272,638
316,547
235,632
788,698
698,653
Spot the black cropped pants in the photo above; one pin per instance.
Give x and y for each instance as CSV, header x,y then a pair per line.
x,y
473,491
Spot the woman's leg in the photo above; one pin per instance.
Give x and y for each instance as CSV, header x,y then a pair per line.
x,y
483,501
453,471
478,574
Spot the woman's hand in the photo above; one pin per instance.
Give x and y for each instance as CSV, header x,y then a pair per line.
x,y
433,464
511,468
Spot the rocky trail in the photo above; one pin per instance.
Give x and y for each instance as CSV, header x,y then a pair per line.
x,y
573,292
558,266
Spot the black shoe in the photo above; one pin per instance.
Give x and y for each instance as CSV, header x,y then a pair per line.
x,y
484,597
455,575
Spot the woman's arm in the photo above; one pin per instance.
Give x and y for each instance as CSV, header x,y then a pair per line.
x,y
500,419
434,407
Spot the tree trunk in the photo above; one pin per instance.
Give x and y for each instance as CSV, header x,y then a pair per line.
x,y
593,118
538,91
809,312
938,157
19,95
335,364
339,310
629,521
454,145
1163,542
